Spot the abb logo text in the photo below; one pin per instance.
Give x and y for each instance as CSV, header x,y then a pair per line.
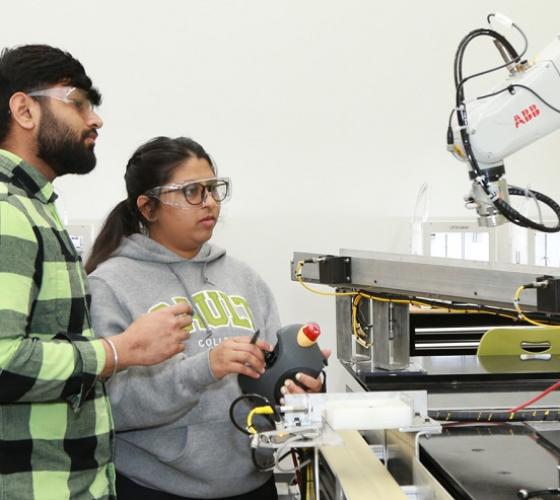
x,y
526,115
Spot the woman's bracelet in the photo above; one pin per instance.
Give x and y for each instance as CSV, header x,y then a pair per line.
x,y
115,358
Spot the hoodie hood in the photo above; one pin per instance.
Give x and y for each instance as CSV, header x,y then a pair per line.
x,y
141,248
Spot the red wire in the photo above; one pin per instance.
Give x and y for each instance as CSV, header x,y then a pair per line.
x,y
536,398
299,479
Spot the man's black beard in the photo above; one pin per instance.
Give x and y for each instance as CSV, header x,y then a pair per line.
x,y
59,148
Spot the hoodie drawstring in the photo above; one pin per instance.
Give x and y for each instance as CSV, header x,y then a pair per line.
x,y
205,277
207,328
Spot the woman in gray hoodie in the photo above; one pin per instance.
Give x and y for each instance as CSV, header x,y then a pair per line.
x,y
174,438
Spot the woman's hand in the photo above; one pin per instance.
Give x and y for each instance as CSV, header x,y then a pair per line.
x,y
238,355
311,384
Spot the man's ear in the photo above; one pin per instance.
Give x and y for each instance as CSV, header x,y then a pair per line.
x,y
24,110
146,207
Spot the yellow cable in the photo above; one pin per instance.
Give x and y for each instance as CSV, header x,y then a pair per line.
x,y
259,410
361,338
521,314
419,303
414,302
299,278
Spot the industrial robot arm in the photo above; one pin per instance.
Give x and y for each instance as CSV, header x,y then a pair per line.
x,y
521,110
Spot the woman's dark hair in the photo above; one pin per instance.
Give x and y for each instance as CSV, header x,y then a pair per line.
x,y
34,67
151,165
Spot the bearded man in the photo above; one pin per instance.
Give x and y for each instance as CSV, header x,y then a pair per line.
x,y
56,430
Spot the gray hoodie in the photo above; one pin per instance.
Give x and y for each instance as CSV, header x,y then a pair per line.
x,y
172,422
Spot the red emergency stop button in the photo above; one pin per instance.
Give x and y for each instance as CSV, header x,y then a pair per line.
x,y
308,334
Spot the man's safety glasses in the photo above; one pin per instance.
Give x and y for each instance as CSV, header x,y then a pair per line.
x,y
192,193
69,95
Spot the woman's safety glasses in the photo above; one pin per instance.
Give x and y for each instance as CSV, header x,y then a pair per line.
x,y
193,193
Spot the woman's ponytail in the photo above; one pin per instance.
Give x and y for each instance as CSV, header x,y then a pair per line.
x,y
121,222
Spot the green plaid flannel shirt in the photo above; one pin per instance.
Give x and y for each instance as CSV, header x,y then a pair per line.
x,y
56,429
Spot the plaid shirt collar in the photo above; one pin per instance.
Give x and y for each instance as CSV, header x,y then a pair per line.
x,y
28,177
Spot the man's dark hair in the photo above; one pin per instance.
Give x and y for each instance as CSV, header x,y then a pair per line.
x,y
33,67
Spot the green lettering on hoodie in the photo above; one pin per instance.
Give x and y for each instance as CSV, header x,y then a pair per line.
x,y
217,308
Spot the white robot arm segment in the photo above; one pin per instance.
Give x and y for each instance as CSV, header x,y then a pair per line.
x,y
513,117
524,108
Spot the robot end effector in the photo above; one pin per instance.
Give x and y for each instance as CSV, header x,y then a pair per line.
x,y
484,131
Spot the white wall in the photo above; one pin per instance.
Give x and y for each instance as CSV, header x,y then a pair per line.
x,y
328,115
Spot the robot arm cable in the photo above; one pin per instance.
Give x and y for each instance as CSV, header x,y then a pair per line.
x,y
515,57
